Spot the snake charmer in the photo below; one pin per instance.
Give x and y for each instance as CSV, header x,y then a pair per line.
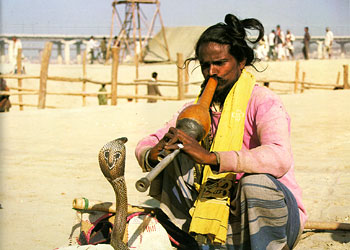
x,y
236,188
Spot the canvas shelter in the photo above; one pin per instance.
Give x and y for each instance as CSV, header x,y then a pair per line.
x,y
180,40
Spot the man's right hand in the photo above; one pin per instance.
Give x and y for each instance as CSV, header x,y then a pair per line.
x,y
169,138
154,152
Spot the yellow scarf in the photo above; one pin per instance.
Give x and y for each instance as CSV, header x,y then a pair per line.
x,y
210,212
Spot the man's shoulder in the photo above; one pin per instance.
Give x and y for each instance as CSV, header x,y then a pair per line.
x,y
261,94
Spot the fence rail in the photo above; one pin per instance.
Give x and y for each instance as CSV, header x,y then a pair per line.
x,y
181,84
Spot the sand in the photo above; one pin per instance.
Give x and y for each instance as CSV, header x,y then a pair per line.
x,y
49,157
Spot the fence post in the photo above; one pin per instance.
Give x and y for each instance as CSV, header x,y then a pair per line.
x,y
346,77
296,76
84,77
19,72
43,74
338,78
115,64
180,77
137,76
302,83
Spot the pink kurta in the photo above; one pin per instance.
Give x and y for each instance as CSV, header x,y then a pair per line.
x,y
266,143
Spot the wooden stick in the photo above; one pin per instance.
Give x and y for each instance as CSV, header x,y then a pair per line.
x,y
114,80
346,77
321,225
19,72
296,77
302,83
83,87
180,76
43,75
110,207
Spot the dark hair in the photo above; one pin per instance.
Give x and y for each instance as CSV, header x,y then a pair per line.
x,y
154,74
233,32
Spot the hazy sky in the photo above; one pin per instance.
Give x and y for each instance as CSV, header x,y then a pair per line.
x,y
94,16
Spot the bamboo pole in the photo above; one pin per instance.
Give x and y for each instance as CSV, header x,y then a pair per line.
x,y
84,204
346,77
338,78
140,36
180,77
115,64
136,58
84,77
137,76
186,77
163,31
321,225
32,105
43,74
302,83
296,77
19,72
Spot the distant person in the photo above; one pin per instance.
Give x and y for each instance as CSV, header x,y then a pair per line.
x,y
14,44
90,48
102,98
5,103
152,88
306,42
271,41
262,50
328,42
103,48
17,44
290,38
279,43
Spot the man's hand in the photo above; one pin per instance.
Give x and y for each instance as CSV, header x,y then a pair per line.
x,y
191,147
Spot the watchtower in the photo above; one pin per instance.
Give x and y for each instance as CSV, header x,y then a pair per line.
x,y
131,37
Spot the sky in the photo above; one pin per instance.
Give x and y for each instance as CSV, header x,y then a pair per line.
x,y
93,17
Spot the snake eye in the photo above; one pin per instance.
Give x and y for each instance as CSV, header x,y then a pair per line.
x,y
106,155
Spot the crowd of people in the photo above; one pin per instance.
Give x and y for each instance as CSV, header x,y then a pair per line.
x,y
278,45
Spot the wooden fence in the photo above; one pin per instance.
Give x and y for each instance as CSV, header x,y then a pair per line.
x,y
181,84
301,84
113,95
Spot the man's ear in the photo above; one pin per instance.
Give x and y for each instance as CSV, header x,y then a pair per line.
x,y
242,63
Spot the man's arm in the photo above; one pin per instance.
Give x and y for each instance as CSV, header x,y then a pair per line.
x,y
272,154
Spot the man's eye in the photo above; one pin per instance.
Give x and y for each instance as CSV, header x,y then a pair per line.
x,y
219,63
205,65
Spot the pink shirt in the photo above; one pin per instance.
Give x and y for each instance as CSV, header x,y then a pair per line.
x,y
266,143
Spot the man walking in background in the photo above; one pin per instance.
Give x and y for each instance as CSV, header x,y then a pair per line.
x,y
307,39
328,42
152,88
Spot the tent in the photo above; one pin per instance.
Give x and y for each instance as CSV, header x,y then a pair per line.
x,y
179,39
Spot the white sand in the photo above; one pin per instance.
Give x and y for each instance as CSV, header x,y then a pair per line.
x,y
49,157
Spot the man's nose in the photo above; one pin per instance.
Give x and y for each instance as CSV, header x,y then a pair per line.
x,y
213,70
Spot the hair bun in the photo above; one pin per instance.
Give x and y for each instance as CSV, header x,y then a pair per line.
x,y
235,26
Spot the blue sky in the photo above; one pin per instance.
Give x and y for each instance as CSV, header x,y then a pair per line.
x,y
94,16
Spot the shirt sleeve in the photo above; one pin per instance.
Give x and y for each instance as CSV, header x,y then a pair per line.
x,y
266,146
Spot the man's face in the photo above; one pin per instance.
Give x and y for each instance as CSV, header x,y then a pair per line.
x,y
216,61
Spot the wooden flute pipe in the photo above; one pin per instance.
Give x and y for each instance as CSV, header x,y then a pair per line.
x,y
195,121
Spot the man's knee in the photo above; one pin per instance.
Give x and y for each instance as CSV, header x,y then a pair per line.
x,y
259,186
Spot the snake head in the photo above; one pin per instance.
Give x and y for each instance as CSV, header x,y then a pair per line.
x,y
112,158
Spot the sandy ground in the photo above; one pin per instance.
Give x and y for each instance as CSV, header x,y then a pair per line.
x,y
49,157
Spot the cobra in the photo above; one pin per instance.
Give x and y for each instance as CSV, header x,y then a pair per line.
x,y
112,163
